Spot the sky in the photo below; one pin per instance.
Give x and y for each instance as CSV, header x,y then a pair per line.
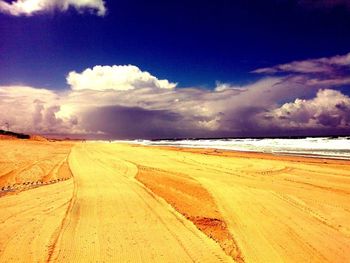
x,y
132,69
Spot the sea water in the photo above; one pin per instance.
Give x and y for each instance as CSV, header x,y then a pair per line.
x,y
321,146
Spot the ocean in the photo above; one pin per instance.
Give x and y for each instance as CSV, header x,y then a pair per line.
x,y
338,148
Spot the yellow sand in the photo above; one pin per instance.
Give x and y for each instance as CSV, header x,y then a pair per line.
x,y
145,204
28,162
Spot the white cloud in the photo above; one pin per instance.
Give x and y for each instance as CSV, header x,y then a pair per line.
x,y
115,78
31,7
330,108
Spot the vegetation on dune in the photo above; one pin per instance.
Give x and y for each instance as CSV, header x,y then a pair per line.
x,y
14,134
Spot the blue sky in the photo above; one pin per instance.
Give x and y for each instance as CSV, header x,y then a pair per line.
x,y
195,44
190,42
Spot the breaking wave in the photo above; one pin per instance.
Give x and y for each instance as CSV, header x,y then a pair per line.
x,y
324,147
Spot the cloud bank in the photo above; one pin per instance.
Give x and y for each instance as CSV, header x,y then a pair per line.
x,y
328,66
124,102
32,7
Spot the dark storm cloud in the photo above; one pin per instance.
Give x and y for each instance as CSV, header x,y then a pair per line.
x,y
132,122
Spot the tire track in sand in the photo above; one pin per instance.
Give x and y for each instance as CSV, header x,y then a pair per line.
x,y
113,219
65,221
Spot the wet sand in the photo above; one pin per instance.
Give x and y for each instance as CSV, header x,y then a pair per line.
x,y
107,202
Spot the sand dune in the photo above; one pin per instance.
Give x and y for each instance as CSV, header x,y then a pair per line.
x,y
145,204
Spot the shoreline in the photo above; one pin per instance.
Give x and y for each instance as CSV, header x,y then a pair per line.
x,y
253,154
212,150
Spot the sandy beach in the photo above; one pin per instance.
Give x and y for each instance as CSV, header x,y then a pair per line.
x,y
108,202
